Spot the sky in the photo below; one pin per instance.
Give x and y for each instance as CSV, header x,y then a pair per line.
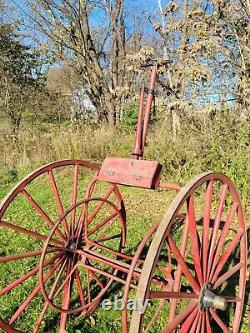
x,y
140,8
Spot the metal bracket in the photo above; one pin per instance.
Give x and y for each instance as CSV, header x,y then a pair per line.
x,y
137,176
110,172
149,91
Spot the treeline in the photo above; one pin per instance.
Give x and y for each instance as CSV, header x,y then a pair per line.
x,y
81,61
23,91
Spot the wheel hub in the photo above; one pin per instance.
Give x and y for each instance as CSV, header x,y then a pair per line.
x,y
74,244
210,300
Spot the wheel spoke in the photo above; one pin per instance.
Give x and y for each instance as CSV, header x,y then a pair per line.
x,y
189,321
194,240
33,294
58,277
99,206
58,200
223,235
171,295
74,196
180,317
216,225
88,287
208,326
81,221
84,215
29,254
23,278
79,287
104,273
51,294
178,273
206,225
218,320
183,265
154,317
227,254
41,212
105,239
90,218
195,324
227,275
66,279
27,232
203,323
98,281
198,327
66,297
104,230
102,223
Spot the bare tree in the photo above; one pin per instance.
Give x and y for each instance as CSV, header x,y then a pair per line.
x,y
91,37
208,44
234,21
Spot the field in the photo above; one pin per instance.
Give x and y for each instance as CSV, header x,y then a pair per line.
x,y
207,148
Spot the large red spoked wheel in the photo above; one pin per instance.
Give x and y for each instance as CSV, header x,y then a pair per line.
x,y
28,215
204,233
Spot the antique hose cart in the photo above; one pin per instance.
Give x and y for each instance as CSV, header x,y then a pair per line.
x,y
63,247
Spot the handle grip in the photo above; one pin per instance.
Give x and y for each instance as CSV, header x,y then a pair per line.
x,y
156,62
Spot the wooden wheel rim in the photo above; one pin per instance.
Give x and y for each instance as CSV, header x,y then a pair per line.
x,y
160,236
122,243
20,188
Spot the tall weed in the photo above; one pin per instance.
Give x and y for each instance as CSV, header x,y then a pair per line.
x,y
219,143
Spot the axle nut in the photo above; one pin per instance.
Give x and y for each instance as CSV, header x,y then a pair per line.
x,y
209,300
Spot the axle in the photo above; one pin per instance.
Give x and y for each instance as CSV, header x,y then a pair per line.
x,y
207,298
118,265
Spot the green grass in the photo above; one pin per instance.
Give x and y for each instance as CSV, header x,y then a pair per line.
x,y
220,144
143,207
16,243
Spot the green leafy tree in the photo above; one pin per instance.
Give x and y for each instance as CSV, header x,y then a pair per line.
x,y
19,76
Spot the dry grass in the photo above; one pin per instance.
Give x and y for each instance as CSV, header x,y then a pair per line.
x,y
38,145
220,144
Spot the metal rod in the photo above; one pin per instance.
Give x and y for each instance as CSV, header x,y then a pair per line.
x,y
149,106
137,148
